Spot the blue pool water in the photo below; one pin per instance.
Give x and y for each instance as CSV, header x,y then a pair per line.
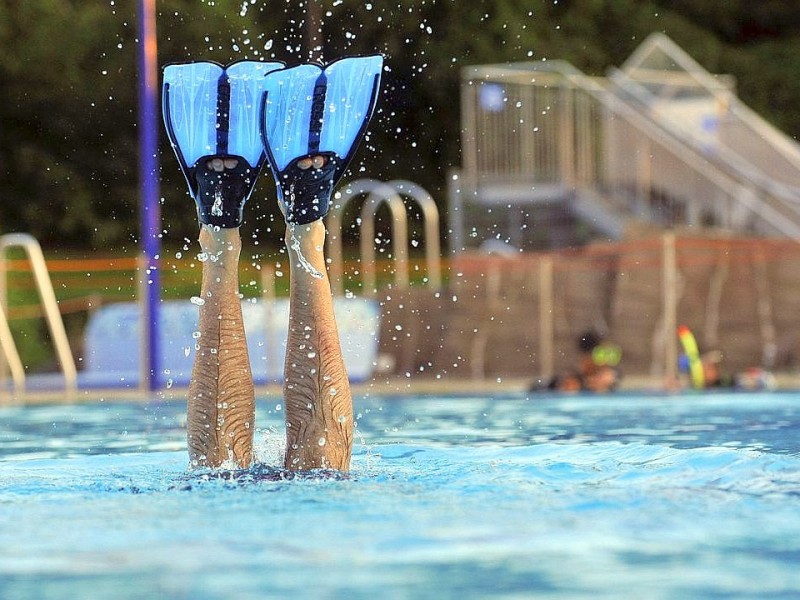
x,y
450,497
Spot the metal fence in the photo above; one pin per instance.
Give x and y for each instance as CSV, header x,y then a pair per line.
x,y
542,143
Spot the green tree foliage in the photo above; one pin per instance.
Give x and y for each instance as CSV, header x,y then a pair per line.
x,y
68,80
63,144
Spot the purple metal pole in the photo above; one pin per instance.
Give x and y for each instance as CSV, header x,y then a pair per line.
x,y
150,210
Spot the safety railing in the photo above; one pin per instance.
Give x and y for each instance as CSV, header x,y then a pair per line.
x,y
391,194
51,313
544,133
10,353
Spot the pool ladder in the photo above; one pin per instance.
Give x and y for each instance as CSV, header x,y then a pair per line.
x,y
378,193
51,312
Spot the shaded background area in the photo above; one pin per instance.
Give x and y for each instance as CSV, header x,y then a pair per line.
x,y
738,296
68,114
68,87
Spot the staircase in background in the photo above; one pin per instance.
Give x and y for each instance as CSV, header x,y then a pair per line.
x,y
552,157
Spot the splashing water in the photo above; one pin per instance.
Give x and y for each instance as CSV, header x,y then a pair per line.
x,y
304,262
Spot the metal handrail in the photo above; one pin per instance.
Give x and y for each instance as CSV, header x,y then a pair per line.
x,y
717,87
430,213
399,240
52,314
10,353
379,193
372,188
558,130
692,159
732,160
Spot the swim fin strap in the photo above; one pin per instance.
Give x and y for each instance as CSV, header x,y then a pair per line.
x,y
311,111
212,112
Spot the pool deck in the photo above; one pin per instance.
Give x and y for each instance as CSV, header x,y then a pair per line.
x,y
378,386
382,386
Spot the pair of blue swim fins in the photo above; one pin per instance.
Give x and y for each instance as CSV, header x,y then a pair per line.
x,y
225,123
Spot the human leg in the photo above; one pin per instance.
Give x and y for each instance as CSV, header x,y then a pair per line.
x,y
319,406
313,119
209,113
221,403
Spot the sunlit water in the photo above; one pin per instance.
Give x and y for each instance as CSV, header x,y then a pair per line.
x,y
450,497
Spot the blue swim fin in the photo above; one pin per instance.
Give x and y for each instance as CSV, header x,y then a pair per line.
x,y
310,111
212,112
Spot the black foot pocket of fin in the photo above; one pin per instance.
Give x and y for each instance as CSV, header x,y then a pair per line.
x,y
221,195
306,193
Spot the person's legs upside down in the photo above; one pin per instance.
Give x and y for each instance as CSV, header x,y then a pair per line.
x,y
311,121
319,407
221,408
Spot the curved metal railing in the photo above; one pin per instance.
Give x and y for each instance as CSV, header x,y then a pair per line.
x,y
378,193
430,214
51,312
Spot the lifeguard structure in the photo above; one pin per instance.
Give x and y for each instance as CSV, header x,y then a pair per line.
x,y
551,156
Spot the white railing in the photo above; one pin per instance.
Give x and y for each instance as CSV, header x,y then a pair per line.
x,y
544,133
377,194
51,312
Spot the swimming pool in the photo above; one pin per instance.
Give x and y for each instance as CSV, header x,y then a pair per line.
x,y
450,497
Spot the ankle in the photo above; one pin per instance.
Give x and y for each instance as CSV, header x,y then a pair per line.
x,y
223,245
310,236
